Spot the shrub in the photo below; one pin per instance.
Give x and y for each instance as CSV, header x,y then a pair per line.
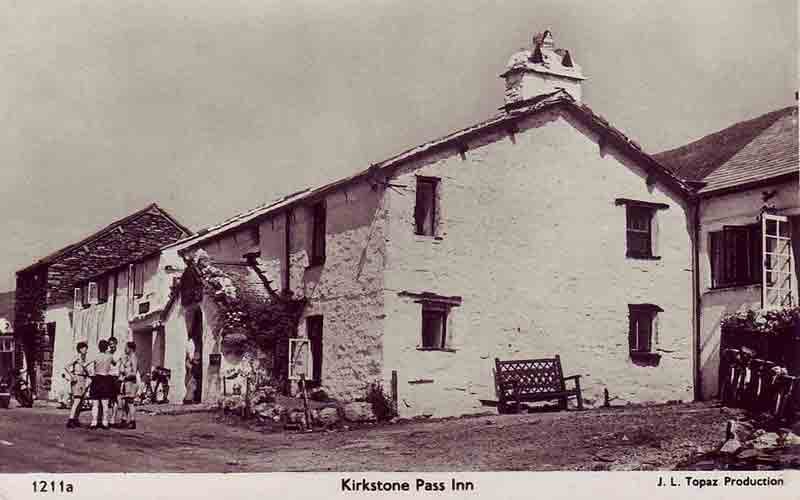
x,y
382,405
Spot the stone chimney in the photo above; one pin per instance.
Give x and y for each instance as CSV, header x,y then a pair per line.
x,y
541,69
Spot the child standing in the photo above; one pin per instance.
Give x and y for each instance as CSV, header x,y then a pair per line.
x,y
113,402
77,372
127,373
102,385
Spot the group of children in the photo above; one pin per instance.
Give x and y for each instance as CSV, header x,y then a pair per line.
x,y
109,380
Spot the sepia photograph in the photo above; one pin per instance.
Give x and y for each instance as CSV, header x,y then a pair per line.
x,y
264,236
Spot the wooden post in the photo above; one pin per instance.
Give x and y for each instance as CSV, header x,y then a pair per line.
x,y
305,400
395,406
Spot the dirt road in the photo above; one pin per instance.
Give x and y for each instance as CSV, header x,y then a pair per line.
x,y
35,440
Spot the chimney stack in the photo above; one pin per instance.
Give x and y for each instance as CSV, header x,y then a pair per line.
x,y
541,69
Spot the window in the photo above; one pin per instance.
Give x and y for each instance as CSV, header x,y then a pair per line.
x,y
434,326
77,298
425,208
318,234
138,279
735,256
102,289
314,332
778,262
642,328
640,227
639,231
92,292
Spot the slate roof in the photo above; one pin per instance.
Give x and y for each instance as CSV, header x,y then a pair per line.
x,y
153,207
747,152
507,117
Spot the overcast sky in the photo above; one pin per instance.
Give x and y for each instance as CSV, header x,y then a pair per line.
x,y
212,107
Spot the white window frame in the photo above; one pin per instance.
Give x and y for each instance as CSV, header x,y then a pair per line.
x,y
300,362
785,252
93,300
77,298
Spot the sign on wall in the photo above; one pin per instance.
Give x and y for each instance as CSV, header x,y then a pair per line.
x,y
299,359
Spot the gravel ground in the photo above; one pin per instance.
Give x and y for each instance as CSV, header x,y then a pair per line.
x,y
628,438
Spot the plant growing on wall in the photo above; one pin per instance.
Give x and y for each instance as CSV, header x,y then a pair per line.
x,y
785,321
257,326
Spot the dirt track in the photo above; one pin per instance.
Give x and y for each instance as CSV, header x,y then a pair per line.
x,y
35,440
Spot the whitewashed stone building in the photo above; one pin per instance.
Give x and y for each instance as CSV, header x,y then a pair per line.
x,y
749,219
542,230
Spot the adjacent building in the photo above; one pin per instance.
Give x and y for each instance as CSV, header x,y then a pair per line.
x,y
100,287
748,223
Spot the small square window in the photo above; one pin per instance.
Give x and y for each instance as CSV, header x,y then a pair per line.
x,y
425,208
642,327
434,327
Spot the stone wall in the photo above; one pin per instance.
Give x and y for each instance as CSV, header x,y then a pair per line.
x,y
531,238
743,208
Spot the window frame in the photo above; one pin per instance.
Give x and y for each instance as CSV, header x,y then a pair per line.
x,y
432,308
138,279
419,222
638,207
315,326
719,247
319,222
102,290
638,314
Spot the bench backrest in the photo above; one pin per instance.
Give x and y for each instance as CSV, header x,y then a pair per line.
x,y
530,376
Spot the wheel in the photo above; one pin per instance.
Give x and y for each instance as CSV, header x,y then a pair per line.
x,y
5,400
24,398
162,393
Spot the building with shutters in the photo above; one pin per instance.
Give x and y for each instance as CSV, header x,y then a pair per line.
x,y
749,222
541,230
105,285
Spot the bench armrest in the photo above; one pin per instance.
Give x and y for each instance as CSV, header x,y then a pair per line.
x,y
576,379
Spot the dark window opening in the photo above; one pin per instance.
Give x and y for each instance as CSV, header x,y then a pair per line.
x,y
314,332
642,326
639,231
102,290
85,295
434,327
735,256
138,279
425,208
318,235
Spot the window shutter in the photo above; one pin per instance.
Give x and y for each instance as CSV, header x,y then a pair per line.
x,y
737,260
93,293
77,300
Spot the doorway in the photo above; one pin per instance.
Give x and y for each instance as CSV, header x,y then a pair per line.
x,y
194,361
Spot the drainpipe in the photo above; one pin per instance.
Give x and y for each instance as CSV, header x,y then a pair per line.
x,y
287,253
114,304
698,376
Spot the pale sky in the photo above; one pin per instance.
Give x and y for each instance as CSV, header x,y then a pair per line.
x,y
212,107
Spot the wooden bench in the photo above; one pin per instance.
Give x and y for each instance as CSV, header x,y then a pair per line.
x,y
530,380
